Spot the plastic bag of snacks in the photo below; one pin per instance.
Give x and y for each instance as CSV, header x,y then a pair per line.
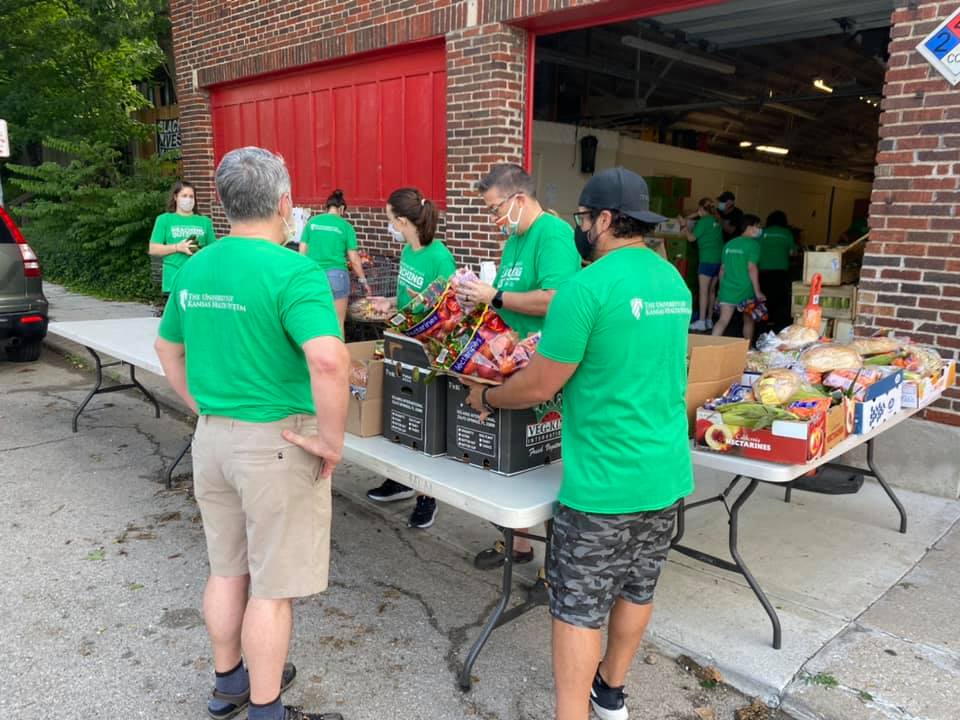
x,y
358,379
432,315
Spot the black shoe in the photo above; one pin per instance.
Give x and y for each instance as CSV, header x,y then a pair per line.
x,y
222,706
297,713
390,491
495,557
607,701
424,513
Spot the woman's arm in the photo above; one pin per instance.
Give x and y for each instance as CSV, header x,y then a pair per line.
x,y
354,257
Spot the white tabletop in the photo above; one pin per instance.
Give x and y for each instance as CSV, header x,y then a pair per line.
x,y
127,339
519,501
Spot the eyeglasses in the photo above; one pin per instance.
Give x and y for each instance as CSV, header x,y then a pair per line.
x,y
578,217
495,209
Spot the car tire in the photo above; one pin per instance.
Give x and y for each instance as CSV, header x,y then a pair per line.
x,y
27,351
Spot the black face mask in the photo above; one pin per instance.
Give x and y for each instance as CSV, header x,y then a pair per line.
x,y
584,246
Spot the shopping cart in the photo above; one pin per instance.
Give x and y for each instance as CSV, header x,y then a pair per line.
x,y
381,277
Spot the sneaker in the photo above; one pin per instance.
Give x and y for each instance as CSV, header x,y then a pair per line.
x,y
390,491
297,713
709,324
497,555
608,702
424,513
223,706
698,326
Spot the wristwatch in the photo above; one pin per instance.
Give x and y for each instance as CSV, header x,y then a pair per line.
x,y
497,301
483,399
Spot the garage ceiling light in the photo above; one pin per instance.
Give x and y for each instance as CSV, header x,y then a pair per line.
x,y
746,144
772,149
678,55
819,84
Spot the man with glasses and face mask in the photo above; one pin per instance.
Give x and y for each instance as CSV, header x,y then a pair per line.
x,y
538,256
615,341
251,342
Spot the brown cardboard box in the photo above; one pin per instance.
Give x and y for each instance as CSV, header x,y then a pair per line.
x,y
713,365
365,416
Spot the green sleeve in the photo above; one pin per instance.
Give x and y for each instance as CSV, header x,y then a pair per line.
x,y
569,323
447,266
171,326
159,234
351,237
557,259
306,306
700,229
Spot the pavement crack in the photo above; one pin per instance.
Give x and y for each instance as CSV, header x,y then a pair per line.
x,y
37,444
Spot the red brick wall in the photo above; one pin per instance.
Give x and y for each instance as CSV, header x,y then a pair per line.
x,y
911,274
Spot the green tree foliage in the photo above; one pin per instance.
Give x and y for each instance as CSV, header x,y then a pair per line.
x,y
68,68
90,220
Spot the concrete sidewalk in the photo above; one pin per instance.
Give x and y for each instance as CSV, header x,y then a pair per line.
x,y
869,615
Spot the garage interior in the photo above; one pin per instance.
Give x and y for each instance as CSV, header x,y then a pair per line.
x,y
782,83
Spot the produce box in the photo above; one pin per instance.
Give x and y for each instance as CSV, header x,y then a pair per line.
x,y
792,442
508,441
365,410
920,392
713,364
840,423
836,265
843,331
837,302
882,401
414,397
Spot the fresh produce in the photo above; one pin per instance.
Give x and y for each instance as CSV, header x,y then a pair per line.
x,y
373,308
432,315
777,386
492,352
853,381
753,415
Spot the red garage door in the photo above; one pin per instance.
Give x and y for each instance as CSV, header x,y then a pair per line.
x,y
368,126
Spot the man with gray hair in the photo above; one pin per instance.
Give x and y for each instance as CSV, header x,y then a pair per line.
x,y
251,342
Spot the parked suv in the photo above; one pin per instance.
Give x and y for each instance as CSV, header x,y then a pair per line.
x,y
23,307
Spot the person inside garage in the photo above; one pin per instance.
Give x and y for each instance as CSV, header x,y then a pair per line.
x,y
538,256
412,220
730,216
626,457
777,246
708,235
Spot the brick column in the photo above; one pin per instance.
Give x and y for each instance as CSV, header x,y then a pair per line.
x,y
486,74
911,275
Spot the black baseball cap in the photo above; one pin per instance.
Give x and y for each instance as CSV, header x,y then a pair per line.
x,y
621,190
726,195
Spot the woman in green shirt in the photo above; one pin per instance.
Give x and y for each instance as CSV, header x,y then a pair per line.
x,y
777,245
739,277
331,241
413,221
179,232
707,233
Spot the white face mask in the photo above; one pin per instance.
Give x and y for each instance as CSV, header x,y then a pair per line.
x,y
185,204
291,231
395,234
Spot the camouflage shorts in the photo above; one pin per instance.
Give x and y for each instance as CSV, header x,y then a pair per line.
x,y
594,559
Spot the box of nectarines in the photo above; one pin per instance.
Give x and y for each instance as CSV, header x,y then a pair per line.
x,y
792,442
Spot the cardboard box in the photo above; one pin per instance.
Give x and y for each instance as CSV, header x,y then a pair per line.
x,y
836,265
882,401
839,423
414,397
843,331
793,442
919,392
508,441
365,410
713,365
836,302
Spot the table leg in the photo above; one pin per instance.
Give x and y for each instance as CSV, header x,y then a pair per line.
x,y
494,619
738,565
98,388
886,488
176,462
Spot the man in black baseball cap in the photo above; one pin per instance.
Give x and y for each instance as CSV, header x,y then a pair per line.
x,y
730,216
626,457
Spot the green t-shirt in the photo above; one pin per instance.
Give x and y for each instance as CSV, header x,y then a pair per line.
x,y
243,309
623,320
328,238
735,285
542,258
776,244
709,237
172,228
419,268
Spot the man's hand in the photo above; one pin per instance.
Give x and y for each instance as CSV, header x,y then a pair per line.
x,y
475,398
315,445
477,292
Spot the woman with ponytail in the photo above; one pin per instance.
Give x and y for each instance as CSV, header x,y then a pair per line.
x,y
412,220
331,241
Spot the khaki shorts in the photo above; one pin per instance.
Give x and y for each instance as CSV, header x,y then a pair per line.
x,y
265,508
